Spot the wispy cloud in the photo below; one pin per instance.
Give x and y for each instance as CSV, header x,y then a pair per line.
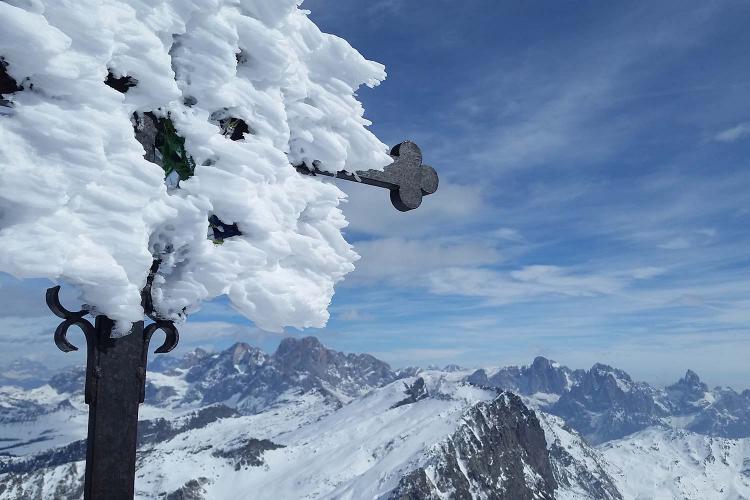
x,y
522,284
734,133
405,261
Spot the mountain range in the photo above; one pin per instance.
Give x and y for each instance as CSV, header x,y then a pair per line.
x,y
310,422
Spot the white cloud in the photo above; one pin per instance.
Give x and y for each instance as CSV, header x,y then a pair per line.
x,y
679,243
354,315
409,261
644,273
509,234
697,237
734,133
522,284
369,210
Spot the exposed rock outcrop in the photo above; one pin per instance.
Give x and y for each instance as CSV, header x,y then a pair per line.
x,y
499,451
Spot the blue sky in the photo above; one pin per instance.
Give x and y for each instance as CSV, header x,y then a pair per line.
x,y
594,201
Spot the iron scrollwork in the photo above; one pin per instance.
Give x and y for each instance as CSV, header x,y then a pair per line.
x,y
98,335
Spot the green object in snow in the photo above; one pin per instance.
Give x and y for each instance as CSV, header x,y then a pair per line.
x,y
174,158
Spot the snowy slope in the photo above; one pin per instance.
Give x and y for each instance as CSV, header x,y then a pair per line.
x,y
674,464
580,470
359,451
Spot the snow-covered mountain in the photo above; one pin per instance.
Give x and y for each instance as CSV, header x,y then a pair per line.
x,y
309,422
674,463
25,373
605,403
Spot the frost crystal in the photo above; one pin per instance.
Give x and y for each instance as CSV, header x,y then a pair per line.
x,y
80,203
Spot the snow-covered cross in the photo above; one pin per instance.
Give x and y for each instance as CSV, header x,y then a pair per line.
x,y
407,178
224,101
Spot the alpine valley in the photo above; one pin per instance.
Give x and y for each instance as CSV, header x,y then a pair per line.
x,y
307,422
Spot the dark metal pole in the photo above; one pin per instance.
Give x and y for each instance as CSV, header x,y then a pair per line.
x,y
118,375
115,388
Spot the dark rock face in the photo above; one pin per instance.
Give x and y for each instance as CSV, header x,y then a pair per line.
x,y
547,376
718,412
68,484
192,490
256,379
583,468
21,410
249,453
451,368
8,84
70,381
499,450
160,430
687,395
605,403
252,379
596,483
728,416
348,372
414,392
157,395
543,375
70,453
608,404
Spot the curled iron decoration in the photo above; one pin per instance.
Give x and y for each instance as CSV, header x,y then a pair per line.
x,y
103,326
171,341
70,319
61,338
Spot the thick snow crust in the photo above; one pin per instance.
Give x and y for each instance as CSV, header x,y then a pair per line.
x,y
80,204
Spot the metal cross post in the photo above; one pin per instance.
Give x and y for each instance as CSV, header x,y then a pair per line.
x,y
115,388
116,367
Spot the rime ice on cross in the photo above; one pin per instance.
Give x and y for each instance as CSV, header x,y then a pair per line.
x,y
407,178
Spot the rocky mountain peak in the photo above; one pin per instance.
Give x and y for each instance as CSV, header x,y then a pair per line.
x,y
542,375
243,354
687,395
545,375
254,379
691,380
238,350
302,352
607,404
602,370
499,449
195,356
541,363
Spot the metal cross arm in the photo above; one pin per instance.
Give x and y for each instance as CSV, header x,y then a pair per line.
x,y
406,178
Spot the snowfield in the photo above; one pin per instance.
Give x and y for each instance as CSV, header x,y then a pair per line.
x,y
672,463
81,205
359,451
